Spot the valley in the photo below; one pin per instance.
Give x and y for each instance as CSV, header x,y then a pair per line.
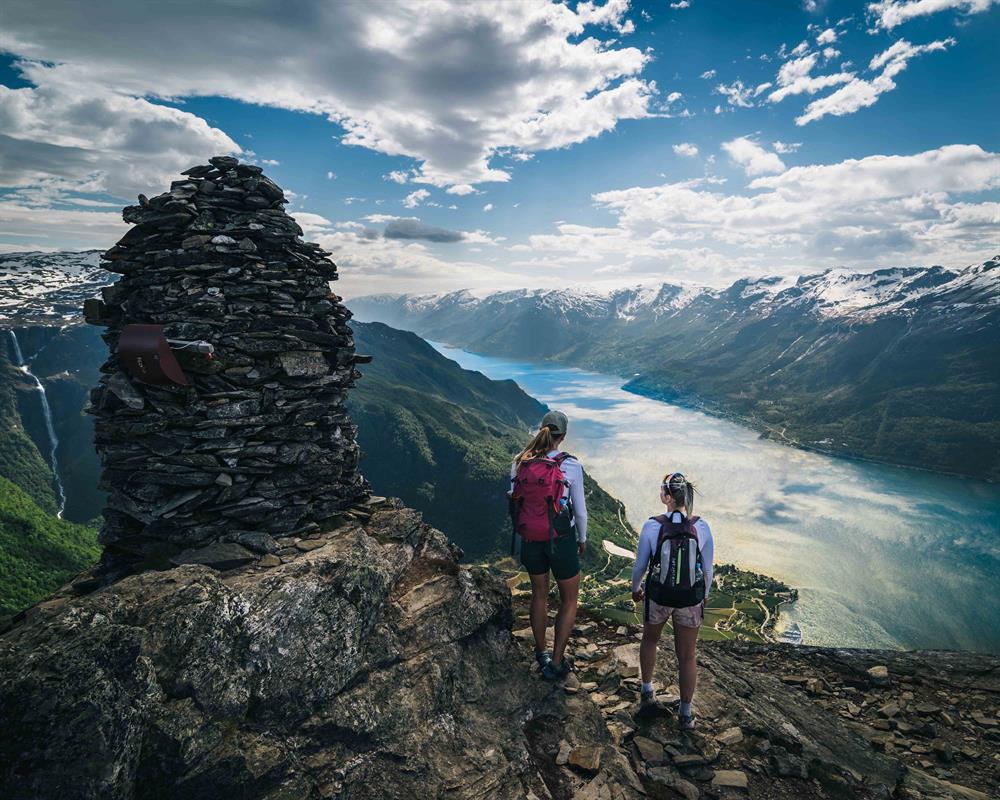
x,y
437,435
859,542
897,366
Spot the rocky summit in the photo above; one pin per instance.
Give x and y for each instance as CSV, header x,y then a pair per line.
x,y
780,722
258,444
364,663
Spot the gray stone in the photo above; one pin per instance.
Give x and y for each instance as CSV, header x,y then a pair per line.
x,y
669,778
219,555
650,751
586,757
730,736
730,778
879,675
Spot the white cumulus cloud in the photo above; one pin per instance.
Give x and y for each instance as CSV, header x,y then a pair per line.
x,y
752,157
863,213
890,13
859,93
794,77
446,83
736,93
414,199
686,149
98,141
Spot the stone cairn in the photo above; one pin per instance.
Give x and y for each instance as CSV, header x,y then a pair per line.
x,y
257,451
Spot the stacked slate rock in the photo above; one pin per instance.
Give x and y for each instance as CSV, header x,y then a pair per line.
x,y
257,451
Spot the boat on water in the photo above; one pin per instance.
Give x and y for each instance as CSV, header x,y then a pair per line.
x,y
791,635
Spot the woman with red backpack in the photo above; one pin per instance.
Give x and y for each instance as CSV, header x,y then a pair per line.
x,y
549,515
675,554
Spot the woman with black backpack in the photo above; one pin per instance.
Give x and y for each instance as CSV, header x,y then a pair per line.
x,y
675,555
549,516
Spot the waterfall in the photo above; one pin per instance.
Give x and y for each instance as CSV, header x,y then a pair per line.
x,y
47,414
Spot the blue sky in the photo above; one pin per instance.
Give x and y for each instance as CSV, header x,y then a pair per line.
x,y
436,145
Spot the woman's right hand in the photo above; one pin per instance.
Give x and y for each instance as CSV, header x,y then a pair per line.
x,y
638,596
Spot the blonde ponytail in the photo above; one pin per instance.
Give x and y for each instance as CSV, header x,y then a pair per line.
x,y
541,444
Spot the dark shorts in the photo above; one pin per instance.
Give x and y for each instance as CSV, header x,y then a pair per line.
x,y
559,555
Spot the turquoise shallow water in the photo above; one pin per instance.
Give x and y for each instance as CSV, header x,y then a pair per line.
x,y
882,556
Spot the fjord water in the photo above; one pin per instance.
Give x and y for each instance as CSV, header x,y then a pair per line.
x,y
882,556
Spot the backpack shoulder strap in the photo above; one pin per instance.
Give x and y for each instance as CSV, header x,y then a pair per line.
x,y
560,457
663,520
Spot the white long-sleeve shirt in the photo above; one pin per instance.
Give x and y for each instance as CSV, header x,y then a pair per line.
x,y
648,537
573,472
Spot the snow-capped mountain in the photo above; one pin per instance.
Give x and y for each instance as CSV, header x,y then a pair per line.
x,y
900,365
833,294
49,287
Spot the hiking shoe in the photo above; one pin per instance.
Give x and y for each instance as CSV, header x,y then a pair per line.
x,y
649,705
685,722
543,657
552,672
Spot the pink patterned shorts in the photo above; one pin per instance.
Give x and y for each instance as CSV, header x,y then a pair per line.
x,y
691,617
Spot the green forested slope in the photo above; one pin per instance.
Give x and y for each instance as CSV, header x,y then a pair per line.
x,y
442,438
20,460
38,551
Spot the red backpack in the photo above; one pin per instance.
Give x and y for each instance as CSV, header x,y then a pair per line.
x,y
536,499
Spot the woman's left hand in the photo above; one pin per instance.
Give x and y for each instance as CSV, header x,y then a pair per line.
x,y
581,547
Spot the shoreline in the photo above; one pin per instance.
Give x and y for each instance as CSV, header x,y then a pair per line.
x,y
698,403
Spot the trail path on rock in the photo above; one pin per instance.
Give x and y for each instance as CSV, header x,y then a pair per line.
x,y
787,723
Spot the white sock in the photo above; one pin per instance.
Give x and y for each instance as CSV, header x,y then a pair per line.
x,y
685,709
647,687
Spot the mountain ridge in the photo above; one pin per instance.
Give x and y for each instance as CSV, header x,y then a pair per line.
x,y
896,366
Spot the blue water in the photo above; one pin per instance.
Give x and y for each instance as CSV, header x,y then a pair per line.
x,y
882,556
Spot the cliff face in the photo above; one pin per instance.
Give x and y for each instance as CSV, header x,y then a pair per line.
x,y
368,665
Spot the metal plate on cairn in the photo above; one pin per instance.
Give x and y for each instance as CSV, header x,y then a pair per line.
x,y
144,351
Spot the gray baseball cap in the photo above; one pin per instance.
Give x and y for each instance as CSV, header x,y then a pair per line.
x,y
555,421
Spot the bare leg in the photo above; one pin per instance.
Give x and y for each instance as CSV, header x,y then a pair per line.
x,y
685,641
569,593
539,614
647,649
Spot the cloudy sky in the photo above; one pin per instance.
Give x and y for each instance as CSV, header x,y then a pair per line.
x,y
438,144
